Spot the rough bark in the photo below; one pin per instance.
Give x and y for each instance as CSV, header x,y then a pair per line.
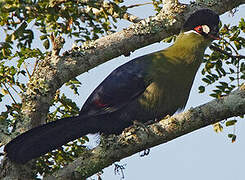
x,y
55,70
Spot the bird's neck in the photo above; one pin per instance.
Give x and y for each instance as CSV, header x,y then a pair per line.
x,y
188,49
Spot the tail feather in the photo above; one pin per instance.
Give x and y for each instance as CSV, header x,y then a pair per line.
x,y
42,139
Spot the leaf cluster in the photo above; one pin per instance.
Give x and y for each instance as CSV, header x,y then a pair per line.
x,y
225,66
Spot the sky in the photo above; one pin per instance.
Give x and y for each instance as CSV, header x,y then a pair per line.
x,y
202,154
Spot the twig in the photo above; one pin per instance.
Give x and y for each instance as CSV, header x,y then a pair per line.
x,y
131,17
10,85
231,47
27,70
226,53
35,66
238,64
137,5
127,16
9,93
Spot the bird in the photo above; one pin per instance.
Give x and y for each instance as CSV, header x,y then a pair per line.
x,y
146,88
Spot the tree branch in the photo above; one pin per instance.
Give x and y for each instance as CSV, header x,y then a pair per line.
x,y
136,138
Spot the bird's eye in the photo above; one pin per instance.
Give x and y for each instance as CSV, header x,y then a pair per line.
x,y
202,29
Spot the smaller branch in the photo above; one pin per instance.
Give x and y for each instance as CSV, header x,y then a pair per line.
x,y
9,93
57,44
238,64
126,15
238,73
234,49
131,17
10,85
137,5
35,66
238,57
119,169
28,73
226,53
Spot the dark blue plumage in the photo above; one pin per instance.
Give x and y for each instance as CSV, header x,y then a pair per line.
x,y
125,84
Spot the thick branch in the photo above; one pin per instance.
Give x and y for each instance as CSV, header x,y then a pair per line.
x,y
136,139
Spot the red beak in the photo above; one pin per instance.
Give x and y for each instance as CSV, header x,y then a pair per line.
x,y
215,37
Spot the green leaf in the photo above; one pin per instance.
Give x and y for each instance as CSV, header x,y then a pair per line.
x,y
231,70
21,29
214,95
201,89
46,44
233,139
223,71
238,45
206,80
20,61
43,37
224,84
222,88
4,92
211,78
242,25
218,127
230,135
230,123
235,35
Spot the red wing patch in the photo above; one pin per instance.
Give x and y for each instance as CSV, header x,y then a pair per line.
x,y
98,103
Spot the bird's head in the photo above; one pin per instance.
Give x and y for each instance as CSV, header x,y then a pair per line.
x,y
203,22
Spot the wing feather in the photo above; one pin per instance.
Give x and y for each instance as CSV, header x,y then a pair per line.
x,y
123,85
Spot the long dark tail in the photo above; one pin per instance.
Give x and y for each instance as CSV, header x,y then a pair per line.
x,y
42,139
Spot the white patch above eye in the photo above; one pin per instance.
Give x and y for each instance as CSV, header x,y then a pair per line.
x,y
205,29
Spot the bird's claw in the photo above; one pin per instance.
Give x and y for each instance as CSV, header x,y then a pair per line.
x,y
145,153
140,124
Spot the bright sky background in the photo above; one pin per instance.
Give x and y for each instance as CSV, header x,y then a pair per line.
x,y
201,155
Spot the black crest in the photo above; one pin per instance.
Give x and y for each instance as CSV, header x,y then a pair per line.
x,y
202,17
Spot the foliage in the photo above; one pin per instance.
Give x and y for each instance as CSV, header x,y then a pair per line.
x,y
157,5
224,68
225,65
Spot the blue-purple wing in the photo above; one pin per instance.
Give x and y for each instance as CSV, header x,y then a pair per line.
x,y
123,85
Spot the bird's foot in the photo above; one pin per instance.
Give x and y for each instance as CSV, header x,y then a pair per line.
x,y
141,125
146,152
131,130
151,121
